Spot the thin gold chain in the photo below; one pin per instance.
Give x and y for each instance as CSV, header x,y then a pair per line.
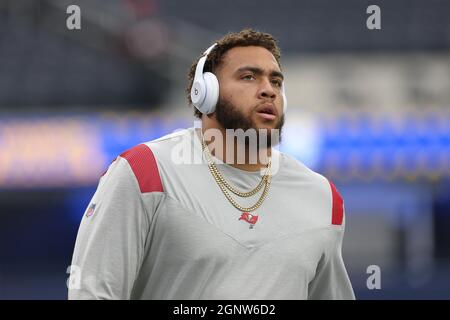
x,y
223,185
227,185
233,189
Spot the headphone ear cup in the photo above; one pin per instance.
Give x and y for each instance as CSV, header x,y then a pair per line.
x,y
198,92
212,92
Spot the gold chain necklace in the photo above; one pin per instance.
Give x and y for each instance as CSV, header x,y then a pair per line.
x,y
224,185
219,176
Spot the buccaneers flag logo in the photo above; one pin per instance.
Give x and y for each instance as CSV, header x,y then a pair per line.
x,y
250,218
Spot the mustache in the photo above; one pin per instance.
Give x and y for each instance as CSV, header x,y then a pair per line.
x,y
231,116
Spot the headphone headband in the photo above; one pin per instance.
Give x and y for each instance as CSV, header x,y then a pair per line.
x,y
202,61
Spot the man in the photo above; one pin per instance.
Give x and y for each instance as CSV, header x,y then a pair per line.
x,y
216,227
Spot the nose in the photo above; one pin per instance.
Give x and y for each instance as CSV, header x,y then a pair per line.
x,y
266,90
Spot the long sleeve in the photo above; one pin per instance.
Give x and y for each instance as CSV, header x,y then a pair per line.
x,y
111,240
331,281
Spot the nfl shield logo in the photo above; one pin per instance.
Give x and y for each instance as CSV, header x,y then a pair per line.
x,y
90,210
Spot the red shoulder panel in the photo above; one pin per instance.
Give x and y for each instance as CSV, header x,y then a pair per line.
x,y
143,163
338,206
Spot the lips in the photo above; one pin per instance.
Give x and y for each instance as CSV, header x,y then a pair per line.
x,y
267,111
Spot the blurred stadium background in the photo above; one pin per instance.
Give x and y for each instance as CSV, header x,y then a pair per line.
x,y
369,109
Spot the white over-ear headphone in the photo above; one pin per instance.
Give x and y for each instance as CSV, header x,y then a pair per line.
x,y
205,88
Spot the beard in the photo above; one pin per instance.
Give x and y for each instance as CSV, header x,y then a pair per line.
x,y
231,117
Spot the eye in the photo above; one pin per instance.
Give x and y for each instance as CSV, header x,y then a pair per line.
x,y
277,82
248,77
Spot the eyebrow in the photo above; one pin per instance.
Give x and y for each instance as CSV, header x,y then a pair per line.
x,y
259,71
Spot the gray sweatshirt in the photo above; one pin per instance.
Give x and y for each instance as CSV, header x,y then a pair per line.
x,y
161,228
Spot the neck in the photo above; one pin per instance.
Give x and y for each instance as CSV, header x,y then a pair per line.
x,y
230,152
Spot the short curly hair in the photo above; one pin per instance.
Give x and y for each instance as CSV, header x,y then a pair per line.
x,y
243,38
